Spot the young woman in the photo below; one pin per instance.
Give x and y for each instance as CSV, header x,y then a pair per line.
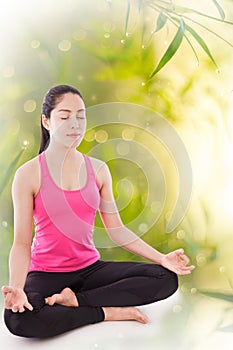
x,y
58,282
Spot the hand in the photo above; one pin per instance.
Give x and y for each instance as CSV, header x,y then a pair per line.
x,y
16,299
176,261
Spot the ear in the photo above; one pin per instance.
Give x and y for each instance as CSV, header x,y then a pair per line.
x,y
45,121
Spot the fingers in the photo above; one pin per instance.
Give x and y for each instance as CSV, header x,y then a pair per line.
x,y
185,259
7,289
185,270
15,308
20,308
179,251
28,306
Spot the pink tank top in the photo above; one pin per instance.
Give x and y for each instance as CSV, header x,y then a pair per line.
x,y
64,222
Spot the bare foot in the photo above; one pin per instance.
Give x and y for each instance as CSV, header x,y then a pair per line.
x,y
124,314
65,298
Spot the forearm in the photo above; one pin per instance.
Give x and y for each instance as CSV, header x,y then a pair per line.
x,y
19,260
130,241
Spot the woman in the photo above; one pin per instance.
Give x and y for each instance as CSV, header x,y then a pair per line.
x,y
59,282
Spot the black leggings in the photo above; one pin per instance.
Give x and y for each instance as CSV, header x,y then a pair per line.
x,y
103,283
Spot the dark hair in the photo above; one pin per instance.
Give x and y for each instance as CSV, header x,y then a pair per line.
x,y
50,101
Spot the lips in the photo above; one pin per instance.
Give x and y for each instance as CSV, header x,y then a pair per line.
x,y
74,135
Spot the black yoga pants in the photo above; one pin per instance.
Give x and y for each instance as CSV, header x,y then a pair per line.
x,y
104,283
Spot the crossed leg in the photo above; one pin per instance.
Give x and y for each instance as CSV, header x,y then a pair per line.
x,y
68,298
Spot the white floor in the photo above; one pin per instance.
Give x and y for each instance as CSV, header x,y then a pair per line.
x,y
129,335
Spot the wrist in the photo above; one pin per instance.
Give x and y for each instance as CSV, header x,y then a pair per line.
x,y
16,285
159,258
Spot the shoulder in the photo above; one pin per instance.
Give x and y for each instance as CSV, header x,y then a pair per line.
x,y
27,176
99,165
28,168
101,170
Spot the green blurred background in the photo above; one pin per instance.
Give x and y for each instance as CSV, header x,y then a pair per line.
x,y
108,50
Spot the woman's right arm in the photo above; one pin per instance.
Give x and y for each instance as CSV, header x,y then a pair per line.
x,y
20,254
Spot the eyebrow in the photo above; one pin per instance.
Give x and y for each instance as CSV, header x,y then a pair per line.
x,y
68,110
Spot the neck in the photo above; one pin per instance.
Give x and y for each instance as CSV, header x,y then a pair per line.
x,y
59,153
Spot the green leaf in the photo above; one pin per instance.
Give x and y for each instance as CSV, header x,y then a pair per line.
x,y
9,172
182,9
161,21
220,9
201,42
139,5
226,328
218,295
173,47
127,16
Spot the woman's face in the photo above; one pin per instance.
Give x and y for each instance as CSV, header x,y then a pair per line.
x,y
67,123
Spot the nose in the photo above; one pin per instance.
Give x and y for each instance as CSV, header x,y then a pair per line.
x,y
74,122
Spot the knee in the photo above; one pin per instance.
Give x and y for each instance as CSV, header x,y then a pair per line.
x,y
15,323
171,282
24,324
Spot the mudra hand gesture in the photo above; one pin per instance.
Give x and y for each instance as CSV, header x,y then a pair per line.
x,y
177,261
15,299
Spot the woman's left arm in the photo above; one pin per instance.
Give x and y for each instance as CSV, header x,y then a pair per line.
x,y
175,261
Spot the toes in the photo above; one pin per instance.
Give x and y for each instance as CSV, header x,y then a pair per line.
x,y
50,300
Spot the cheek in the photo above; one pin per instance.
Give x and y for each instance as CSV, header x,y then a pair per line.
x,y
57,128
84,125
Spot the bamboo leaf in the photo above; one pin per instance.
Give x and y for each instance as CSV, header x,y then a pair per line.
x,y
139,5
218,295
220,9
8,174
127,16
173,47
161,21
201,42
182,9
226,328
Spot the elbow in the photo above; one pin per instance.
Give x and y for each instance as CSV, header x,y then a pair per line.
x,y
121,235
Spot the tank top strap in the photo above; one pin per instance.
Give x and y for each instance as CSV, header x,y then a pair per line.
x,y
43,165
90,170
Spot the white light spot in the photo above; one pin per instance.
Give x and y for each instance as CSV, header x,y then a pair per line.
x,y
177,309
64,45
201,259
122,148
29,106
101,136
35,44
80,35
180,234
25,143
128,134
8,72
222,269
4,224
143,227
90,135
